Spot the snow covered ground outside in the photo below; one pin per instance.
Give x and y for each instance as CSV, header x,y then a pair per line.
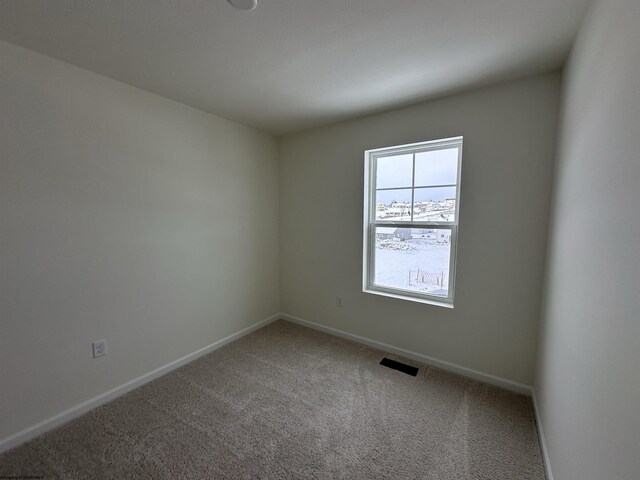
x,y
398,267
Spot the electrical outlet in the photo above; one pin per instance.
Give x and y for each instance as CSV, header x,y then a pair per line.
x,y
99,348
339,302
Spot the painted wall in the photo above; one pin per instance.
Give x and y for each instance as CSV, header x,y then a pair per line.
x,y
509,146
588,380
123,216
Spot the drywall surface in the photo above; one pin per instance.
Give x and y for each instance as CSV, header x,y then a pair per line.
x,y
509,146
588,377
126,217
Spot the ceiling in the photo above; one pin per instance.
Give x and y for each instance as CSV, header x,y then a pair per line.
x,y
295,64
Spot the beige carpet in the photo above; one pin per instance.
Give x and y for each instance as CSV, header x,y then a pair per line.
x,y
287,402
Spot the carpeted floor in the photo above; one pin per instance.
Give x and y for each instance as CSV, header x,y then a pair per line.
x,y
287,402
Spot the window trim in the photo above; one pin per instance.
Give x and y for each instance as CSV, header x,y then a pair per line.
x,y
370,223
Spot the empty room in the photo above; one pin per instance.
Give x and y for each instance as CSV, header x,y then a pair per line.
x,y
320,239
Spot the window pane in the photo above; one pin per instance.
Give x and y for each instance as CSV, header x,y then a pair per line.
x,y
413,259
435,204
394,171
437,167
393,205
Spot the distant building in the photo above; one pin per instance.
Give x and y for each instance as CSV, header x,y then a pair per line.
x,y
402,234
392,233
422,233
441,236
444,236
398,209
385,233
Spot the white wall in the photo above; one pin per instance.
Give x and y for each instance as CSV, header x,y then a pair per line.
x,y
123,216
588,379
509,145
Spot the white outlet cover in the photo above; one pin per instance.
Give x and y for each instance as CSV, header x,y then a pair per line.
x,y
99,348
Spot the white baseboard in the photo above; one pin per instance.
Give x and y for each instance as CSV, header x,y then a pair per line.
x,y
541,437
444,365
77,410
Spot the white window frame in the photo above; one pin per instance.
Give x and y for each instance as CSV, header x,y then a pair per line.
x,y
370,222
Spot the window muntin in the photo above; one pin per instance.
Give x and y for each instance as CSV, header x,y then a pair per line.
x,y
411,220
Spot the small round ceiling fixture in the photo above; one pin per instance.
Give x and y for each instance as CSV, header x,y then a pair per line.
x,y
246,5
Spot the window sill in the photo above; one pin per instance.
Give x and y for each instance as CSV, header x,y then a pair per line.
x,y
428,301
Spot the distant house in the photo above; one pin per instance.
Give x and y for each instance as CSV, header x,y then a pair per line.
x,y
422,233
444,236
402,234
399,210
385,233
392,233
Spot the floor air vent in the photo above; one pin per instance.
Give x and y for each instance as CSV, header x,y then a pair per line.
x,y
402,367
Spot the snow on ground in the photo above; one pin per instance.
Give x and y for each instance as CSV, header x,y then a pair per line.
x,y
393,245
397,268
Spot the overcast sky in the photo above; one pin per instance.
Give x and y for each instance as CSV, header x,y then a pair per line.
x,y
437,167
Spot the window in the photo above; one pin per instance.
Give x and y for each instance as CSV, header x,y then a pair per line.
x,y
411,220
